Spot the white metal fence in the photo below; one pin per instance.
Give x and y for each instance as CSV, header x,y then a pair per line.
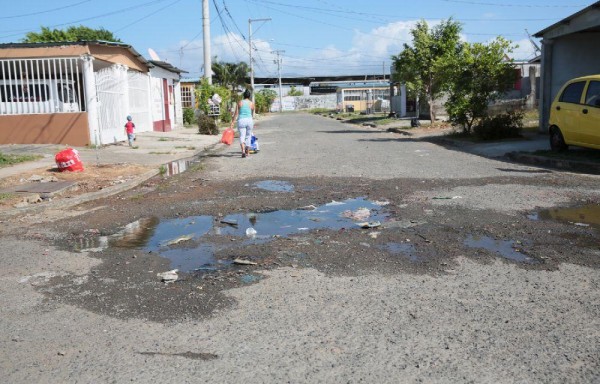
x,y
49,85
111,99
139,100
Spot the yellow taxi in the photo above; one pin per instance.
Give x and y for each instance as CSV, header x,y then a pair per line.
x,y
575,114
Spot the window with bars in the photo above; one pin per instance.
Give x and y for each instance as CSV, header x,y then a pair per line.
x,y
187,101
49,85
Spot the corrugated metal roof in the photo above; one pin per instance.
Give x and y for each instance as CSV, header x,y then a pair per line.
x,y
66,43
567,19
166,66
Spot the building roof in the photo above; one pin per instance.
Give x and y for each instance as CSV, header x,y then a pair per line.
x,y
97,48
166,66
567,20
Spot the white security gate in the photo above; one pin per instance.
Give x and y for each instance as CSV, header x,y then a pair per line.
x,y
139,100
111,87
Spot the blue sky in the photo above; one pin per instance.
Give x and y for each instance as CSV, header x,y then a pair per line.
x,y
319,37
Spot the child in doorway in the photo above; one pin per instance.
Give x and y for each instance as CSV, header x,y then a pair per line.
x,y
129,126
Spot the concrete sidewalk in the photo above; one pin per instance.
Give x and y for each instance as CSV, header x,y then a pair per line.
x,y
151,150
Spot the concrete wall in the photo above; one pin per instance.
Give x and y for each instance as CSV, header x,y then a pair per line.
x,y
52,128
297,103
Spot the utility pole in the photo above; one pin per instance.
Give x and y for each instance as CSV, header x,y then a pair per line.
x,y
250,21
278,62
206,41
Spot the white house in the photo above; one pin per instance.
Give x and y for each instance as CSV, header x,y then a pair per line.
x,y
80,93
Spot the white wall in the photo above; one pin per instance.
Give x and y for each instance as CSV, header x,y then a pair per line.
x,y
298,103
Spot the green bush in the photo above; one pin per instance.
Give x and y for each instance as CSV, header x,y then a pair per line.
x,y
295,92
226,116
263,100
501,126
188,116
207,125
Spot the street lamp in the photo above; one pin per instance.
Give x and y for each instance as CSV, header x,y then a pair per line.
x,y
250,21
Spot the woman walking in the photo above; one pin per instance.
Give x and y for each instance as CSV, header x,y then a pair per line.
x,y
243,114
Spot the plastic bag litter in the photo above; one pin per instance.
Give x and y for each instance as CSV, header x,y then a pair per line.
x,y
168,276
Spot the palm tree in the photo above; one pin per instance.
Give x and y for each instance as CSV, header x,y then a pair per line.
x,y
230,75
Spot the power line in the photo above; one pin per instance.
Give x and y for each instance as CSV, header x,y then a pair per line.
x,y
148,15
520,5
92,17
328,11
46,11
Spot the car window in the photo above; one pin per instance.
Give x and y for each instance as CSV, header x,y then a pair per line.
x,y
592,97
572,94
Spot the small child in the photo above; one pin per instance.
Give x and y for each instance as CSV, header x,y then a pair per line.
x,y
129,126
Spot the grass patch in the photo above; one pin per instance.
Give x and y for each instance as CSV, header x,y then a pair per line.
x,y
371,119
321,110
136,197
185,147
163,139
589,155
4,196
159,153
6,160
162,169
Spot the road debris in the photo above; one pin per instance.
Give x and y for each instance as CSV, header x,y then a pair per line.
x,y
169,276
180,239
360,214
231,222
369,224
250,232
244,262
307,208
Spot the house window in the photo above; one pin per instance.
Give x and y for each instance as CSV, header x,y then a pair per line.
x,y
186,96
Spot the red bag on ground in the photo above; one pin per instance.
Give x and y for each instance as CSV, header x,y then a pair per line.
x,y
227,137
68,160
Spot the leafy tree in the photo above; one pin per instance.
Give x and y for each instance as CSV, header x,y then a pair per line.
x,y
295,92
80,33
264,99
423,67
479,75
205,91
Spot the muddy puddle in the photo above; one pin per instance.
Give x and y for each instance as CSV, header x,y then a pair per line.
x,y
275,186
584,216
189,243
507,249
405,250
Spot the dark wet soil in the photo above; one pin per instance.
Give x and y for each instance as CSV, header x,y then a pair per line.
x,y
135,236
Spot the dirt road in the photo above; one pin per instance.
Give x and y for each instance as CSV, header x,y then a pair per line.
x,y
335,254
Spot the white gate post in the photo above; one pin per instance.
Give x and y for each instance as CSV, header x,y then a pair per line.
x,y
91,98
125,89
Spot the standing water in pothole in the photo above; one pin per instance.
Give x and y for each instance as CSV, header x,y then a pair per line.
x,y
402,249
185,243
585,216
504,248
275,186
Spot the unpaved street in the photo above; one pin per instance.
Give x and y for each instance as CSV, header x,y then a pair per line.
x,y
337,254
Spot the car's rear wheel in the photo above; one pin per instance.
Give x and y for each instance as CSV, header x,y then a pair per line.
x,y
557,141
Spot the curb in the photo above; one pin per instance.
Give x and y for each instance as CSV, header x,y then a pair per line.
x,y
67,203
561,164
